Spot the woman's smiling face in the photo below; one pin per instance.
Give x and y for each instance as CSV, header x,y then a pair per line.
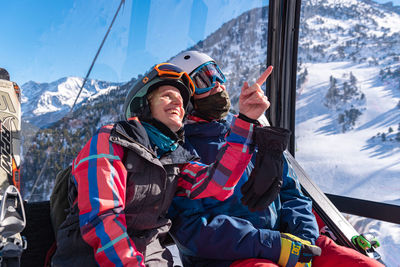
x,y
166,105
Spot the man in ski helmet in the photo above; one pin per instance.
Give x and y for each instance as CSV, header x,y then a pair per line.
x,y
228,233
125,177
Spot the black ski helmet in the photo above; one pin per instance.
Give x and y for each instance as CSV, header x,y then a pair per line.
x,y
136,104
4,75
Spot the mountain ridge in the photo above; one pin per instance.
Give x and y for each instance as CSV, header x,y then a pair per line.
x,y
45,103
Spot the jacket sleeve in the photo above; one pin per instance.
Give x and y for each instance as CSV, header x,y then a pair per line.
x,y
218,180
296,213
100,178
215,234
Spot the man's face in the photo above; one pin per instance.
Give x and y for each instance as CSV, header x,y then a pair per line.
x,y
166,105
216,89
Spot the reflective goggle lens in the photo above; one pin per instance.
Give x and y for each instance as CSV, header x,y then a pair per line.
x,y
205,76
169,67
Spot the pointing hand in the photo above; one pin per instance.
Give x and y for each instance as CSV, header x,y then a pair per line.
x,y
252,101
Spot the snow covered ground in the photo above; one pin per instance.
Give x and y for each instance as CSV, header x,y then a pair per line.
x,y
352,163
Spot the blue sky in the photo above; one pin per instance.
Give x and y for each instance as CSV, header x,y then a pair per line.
x,y
45,40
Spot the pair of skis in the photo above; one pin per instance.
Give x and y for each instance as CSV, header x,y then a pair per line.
x,y
343,231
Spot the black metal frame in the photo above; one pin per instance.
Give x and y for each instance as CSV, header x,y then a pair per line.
x,y
283,34
366,208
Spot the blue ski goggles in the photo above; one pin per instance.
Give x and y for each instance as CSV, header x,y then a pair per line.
x,y
205,77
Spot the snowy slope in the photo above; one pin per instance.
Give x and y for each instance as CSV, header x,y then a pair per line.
x,y
339,37
351,163
362,38
350,156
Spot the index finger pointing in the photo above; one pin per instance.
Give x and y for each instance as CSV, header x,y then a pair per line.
x,y
264,76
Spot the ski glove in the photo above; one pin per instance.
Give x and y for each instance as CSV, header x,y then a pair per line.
x,y
265,181
296,251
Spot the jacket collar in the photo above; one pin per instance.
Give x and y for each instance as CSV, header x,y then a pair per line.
x,y
132,135
206,129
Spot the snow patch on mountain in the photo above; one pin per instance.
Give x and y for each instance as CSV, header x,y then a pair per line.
x,y
45,103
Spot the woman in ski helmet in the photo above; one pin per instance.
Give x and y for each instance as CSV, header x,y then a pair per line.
x,y
136,102
125,177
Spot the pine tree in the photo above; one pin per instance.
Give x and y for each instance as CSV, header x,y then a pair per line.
x,y
383,136
353,79
332,96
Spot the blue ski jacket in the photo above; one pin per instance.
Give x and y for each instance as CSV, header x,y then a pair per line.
x,y
216,233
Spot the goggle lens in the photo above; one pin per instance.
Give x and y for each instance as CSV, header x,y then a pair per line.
x,y
171,71
169,67
206,76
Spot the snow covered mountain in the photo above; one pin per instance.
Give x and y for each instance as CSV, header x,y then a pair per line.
x,y
45,103
240,48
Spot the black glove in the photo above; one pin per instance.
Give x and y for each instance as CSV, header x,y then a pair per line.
x,y
265,180
295,249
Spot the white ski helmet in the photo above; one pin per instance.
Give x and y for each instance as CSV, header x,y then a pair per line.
x,y
203,70
190,60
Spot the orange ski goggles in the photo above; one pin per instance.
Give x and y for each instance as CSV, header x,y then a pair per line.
x,y
169,70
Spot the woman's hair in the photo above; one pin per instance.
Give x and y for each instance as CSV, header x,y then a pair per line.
x,y
151,94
